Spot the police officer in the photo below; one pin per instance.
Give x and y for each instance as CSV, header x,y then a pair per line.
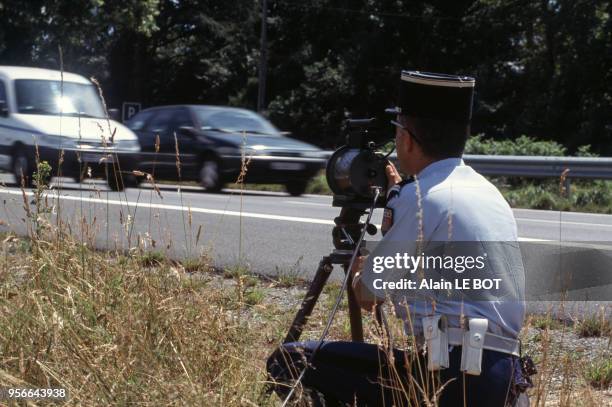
x,y
471,347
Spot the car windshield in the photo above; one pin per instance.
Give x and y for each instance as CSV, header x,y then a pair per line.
x,y
48,97
235,121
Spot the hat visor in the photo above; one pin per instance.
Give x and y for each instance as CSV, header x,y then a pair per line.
x,y
393,110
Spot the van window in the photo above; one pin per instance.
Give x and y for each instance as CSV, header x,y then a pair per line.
x,y
53,98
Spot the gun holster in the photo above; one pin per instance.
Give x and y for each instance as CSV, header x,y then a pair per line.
x,y
435,333
472,347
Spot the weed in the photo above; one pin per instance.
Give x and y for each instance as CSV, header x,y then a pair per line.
x,y
545,322
289,277
198,264
236,271
594,326
151,259
254,296
599,373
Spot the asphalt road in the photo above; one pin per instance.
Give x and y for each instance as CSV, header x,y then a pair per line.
x,y
270,232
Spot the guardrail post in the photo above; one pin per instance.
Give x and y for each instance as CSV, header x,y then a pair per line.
x,y
567,185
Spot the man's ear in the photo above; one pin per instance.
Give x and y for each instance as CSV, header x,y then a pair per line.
x,y
411,143
403,143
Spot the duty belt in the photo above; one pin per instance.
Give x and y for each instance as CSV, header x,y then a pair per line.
x,y
438,337
491,342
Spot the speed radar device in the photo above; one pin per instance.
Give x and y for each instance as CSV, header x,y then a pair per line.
x,y
356,171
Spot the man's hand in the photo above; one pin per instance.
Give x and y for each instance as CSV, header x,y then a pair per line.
x,y
364,296
393,176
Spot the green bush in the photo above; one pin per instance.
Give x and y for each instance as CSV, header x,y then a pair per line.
x,y
592,193
585,196
544,193
522,145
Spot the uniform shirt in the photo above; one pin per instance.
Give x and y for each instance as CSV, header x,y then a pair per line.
x,y
456,204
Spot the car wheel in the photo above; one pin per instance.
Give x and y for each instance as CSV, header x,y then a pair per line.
x,y
23,169
119,182
296,188
210,178
131,181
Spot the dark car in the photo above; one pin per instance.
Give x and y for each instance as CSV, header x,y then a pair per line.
x,y
213,143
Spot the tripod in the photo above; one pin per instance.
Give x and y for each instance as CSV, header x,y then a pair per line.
x,y
345,235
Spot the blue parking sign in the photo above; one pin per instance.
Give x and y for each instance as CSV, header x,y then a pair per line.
x,y
129,109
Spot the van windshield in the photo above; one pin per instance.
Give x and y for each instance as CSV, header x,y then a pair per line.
x,y
48,97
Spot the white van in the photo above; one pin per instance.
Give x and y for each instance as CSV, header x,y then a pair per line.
x,y
51,112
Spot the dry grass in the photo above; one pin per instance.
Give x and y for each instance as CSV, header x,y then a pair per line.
x,y
113,331
118,330
571,371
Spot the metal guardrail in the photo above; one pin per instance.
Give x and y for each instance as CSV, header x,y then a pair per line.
x,y
540,166
537,166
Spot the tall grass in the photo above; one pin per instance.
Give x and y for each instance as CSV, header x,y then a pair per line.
x,y
127,333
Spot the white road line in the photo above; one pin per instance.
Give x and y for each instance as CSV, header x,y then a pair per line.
x,y
183,208
532,239
563,213
563,222
207,211
307,203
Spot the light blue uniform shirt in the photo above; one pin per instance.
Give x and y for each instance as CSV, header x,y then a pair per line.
x,y
457,204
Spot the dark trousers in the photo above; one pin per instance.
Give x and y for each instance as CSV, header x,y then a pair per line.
x,y
362,374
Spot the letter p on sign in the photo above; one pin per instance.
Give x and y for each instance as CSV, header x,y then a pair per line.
x,y
129,109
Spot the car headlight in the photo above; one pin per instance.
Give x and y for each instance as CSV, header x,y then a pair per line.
x,y
257,149
128,145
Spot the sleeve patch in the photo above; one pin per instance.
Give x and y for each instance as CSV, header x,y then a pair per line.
x,y
387,221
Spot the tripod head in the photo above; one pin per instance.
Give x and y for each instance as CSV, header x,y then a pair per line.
x,y
346,233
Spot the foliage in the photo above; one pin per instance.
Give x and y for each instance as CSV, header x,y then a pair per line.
x,y
594,196
587,196
542,68
522,145
599,374
545,322
594,325
151,259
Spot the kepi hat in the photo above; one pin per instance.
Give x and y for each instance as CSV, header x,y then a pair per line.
x,y
435,96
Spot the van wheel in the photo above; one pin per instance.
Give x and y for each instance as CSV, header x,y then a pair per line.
x,y
23,170
210,178
296,188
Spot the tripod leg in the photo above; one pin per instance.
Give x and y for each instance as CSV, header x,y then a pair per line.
x,y
316,286
354,311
